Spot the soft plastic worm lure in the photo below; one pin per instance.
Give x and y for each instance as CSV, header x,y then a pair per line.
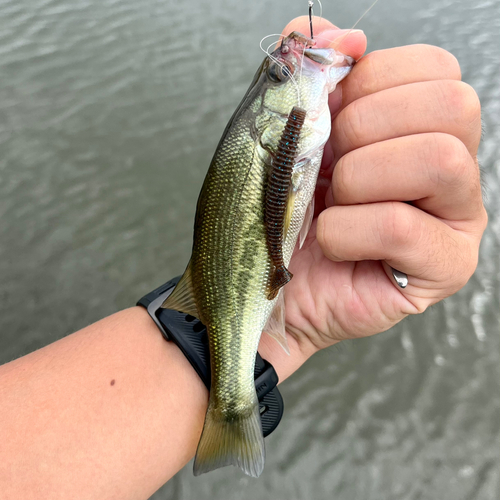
x,y
277,195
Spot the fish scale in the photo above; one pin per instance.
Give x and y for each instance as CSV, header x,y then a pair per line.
x,y
226,283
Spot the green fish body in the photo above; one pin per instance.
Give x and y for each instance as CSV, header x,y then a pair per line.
x,y
227,281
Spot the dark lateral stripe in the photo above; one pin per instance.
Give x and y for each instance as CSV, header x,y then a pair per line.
x,y
277,193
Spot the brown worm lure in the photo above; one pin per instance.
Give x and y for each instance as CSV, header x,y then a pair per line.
x,y
277,195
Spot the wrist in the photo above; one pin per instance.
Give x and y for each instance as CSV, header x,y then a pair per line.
x,y
190,336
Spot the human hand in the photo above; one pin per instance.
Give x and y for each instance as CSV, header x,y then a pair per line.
x,y
399,187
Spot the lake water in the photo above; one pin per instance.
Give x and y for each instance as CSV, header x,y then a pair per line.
x,y
109,114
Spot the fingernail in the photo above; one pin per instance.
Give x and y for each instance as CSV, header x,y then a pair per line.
x,y
333,38
330,35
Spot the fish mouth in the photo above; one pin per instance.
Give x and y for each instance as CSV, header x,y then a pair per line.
x,y
295,38
302,45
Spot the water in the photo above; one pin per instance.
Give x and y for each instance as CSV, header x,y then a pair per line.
x,y
109,114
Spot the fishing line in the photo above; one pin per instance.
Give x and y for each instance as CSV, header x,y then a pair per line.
x,y
341,38
269,46
364,14
280,64
320,9
302,63
269,36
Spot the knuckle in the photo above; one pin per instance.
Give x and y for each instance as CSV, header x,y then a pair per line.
x,y
366,73
483,220
478,225
397,226
468,269
342,178
324,235
452,162
352,125
462,102
444,60
459,263
470,101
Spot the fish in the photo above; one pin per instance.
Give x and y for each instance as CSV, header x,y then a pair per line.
x,y
255,204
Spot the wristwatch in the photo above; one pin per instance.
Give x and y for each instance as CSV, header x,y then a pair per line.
x,y
190,335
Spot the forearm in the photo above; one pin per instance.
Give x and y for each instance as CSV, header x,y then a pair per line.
x,y
112,411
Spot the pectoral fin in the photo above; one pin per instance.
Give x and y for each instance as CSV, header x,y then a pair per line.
x,y
275,326
289,211
297,178
182,298
304,231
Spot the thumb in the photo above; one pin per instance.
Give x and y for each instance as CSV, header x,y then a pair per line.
x,y
349,42
327,35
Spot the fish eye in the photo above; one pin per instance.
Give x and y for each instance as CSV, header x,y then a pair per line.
x,y
273,73
279,72
285,71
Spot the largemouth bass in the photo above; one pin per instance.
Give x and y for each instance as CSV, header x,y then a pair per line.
x,y
256,197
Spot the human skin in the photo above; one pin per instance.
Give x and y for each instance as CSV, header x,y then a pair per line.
x,y
399,187
113,411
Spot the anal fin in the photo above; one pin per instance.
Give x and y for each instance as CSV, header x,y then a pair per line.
x,y
182,298
275,326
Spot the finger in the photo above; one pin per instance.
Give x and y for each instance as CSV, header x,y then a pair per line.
x,y
384,69
326,34
347,41
434,171
408,239
446,106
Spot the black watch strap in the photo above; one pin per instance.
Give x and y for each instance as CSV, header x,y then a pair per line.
x,y
190,335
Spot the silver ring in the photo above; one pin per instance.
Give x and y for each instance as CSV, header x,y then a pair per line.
x,y
400,278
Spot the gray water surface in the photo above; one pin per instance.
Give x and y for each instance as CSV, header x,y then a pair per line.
x,y
109,114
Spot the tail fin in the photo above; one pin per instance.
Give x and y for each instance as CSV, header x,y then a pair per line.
x,y
280,277
236,441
